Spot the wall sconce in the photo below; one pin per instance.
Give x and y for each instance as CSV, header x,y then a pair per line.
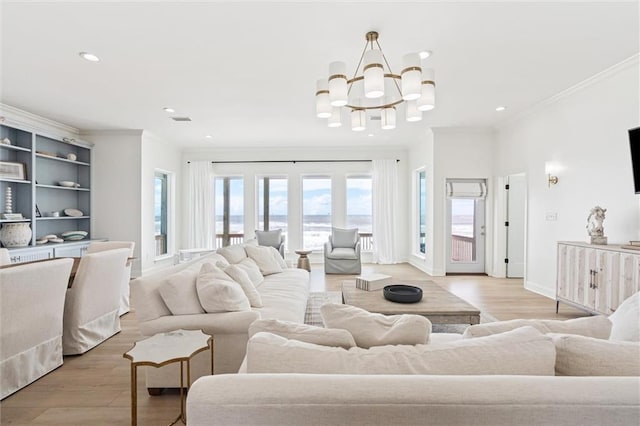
x,y
551,170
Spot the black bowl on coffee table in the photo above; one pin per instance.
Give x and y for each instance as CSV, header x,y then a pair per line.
x,y
402,293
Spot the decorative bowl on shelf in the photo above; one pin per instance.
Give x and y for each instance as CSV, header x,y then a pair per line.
x,y
67,183
74,235
73,212
401,293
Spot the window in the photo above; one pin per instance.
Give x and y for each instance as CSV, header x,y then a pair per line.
x,y
272,204
422,211
229,210
161,212
360,208
316,212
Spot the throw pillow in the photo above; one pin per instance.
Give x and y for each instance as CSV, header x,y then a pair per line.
x,y
218,292
525,351
304,333
344,237
251,268
178,291
215,259
626,320
595,326
276,255
376,329
240,276
586,356
269,238
264,258
233,253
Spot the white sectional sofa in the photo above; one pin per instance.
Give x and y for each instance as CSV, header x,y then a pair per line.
x,y
284,296
520,372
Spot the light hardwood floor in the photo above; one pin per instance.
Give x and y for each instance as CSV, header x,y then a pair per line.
x,y
94,388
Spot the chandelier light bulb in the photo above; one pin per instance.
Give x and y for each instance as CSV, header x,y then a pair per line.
x,y
388,118
358,120
413,113
428,99
335,119
411,77
338,83
323,105
373,74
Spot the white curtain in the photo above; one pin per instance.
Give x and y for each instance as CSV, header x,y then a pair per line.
x,y
385,202
200,205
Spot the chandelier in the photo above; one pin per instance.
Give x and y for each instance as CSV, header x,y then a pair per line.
x,y
376,89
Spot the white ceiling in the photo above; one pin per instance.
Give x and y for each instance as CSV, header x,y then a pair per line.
x,y
245,72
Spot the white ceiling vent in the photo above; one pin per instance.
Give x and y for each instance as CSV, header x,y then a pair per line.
x,y
181,118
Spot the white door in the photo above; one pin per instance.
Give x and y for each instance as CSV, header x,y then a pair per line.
x,y
466,226
515,219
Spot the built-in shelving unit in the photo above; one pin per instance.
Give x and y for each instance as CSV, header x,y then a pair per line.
x,y
47,161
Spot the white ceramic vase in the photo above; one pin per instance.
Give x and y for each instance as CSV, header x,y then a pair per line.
x,y
15,234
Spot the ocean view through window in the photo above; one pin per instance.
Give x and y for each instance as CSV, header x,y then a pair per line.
x,y
316,211
161,212
229,210
273,203
360,208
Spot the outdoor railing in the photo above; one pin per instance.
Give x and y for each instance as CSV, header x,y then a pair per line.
x,y
366,241
463,249
161,244
223,240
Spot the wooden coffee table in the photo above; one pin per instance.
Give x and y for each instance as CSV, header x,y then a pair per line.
x,y
437,304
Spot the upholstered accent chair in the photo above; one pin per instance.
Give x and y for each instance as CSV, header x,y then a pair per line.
x,y
342,252
274,238
98,246
91,309
31,306
5,259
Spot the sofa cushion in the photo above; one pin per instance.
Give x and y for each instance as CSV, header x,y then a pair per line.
x,y
265,259
304,333
524,351
586,356
344,237
251,268
342,253
217,292
595,326
215,259
269,238
626,320
369,329
178,292
233,253
241,276
283,297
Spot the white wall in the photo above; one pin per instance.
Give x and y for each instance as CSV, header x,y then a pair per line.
x,y
160,154
456,153
115,194
584,130
338,171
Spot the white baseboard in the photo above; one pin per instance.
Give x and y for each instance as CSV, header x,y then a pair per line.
x,y
543,291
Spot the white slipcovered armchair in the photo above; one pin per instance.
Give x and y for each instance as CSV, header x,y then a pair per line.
x,y
274,238
93,302
31,305
342,252
98,246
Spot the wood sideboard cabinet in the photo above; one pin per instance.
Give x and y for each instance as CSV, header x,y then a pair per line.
x,y
596,278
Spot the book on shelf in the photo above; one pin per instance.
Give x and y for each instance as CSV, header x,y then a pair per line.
x,y
372,282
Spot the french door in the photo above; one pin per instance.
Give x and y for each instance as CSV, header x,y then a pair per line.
x,y
466,228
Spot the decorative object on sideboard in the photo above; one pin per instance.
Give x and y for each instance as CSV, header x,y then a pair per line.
x,y
594,225
67,183
15,234
5,141
10,170
74,235
73,212
38,214
71,156
8,201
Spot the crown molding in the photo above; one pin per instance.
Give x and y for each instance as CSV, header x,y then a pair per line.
x,y
602,75
17,117
112,132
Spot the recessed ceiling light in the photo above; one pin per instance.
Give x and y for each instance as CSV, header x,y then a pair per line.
x,y
89,56
424,54
208,136
501,108
168,109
